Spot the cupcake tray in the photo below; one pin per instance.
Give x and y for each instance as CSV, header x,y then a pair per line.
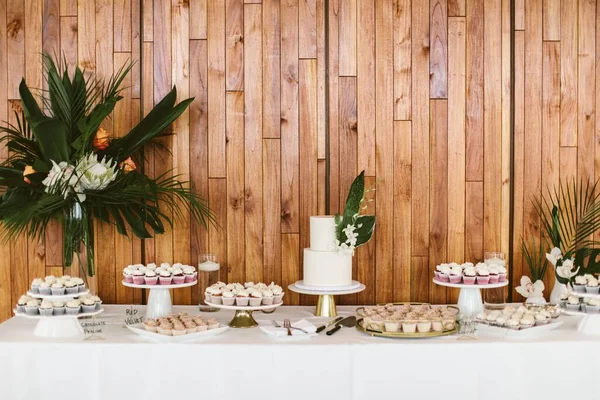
x,y
470,301
159,298
243,314
80,315
402,335
188,337
473,286
159,286
57,297
522,333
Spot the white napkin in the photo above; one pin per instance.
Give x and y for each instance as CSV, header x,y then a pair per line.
x,y
303,324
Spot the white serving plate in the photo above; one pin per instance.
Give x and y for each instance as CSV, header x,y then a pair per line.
x,y
80,315
578,313
157,286
474,286
244,308
303,286
588,295
56,297
188,337
528,333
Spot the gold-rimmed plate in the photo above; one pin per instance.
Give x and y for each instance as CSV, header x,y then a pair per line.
x,y
402,335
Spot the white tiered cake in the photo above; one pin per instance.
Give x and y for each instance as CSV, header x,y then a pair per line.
x,y
323,265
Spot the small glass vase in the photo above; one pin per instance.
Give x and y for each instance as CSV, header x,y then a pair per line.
x,y
78,240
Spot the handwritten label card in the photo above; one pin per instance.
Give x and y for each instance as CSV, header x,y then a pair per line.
x,y
133,316
93,328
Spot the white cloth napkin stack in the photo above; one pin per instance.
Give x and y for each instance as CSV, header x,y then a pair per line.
x,y
268,328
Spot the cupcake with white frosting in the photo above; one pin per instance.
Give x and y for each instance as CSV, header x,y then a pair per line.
x,y
58,308
44,288
579,284
591,286
527,321
50,279
469,275
501,273
573,303
483,275
88,305
455,274
444,274
189,273
256,298
228,298
22,302
35,285
513,324
216,296
242,298
128,274
57,289
150,277
267,297
178,277
494,278
73,307
32,307
165,265
71,287
277,294
46,308
138,277
165,278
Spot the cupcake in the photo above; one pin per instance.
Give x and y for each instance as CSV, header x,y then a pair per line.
x,y
46,308
228,298
501,321
22,302
44,288
216,296
573,303
138,277
97,302
469,275
277,294
563,299
165,278
71,287
267,297
494,277
201,325
88,305
58,308
392,325
151,325
592,286
57,289
593,306
151,266
444,274
242,299
513,324
73,307
437,325
579,284
409,326
178,277
35,285
541,319
190,327
256,298
249,285
483,276
437,271
212,323
501,273
165,328
189,274
527,321
150,278
128,274
424,326
32,307
50,279
455,274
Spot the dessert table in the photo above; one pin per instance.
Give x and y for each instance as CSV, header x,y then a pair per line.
x,y
248,364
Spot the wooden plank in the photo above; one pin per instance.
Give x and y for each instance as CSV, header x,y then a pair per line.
x,y
272,214
420,130
217,237
321,187
365,89
474,94
347,38
234,46
86,36
321,83
198,146
216,89
438,58
519,22
19,276
136,49
180,22
402,210
136,243
333,134
68,8
384,149
289,117
348,153
568,163
15,55
419,290
290,265
235,186
551,114
68,42
307,29
568,73
198,29
51,27
474,221
147,104
253,144
439,193
456,173
365,255
6,305
402,60
122,25
551,17
506,135
33,43
148,20
457,8
271,69
586,94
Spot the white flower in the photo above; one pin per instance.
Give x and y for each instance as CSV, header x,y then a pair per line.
x,y
554,255
63,179
528,289
94,174
565,271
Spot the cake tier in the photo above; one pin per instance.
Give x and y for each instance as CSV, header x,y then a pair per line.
x,y
327,268
322,232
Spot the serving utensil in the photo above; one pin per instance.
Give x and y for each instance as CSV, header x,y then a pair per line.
x,y
347,322
276,325
288,325
328,324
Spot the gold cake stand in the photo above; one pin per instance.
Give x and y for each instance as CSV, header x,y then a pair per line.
x,y
243,314
326,302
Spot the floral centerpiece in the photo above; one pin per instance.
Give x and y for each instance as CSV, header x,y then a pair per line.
x,y
352,228
63,166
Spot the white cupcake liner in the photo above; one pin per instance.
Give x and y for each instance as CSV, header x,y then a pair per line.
x,y
81,288
87,308
59,310
45,291
242,301
72,290
228,301
73,310
31,310
57,291
21,309
255,301
267,301
216,299
35,289
46,312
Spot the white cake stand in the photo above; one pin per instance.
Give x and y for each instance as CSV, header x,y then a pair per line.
x,y
58,326
469,299
159,299
326,302
590,323
243,314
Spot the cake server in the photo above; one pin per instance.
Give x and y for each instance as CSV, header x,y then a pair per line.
x,y
327,325
347,322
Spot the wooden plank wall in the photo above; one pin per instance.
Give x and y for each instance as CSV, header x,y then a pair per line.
x,y
418,97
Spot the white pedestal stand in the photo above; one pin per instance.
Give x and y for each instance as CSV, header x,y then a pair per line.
x,y
58,326
326,302
469,299
590,323
159,299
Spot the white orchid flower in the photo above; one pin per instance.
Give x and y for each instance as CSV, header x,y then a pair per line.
x,y
554,255
565,271
529,289
63,179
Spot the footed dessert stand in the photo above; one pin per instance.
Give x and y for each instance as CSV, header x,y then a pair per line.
x,y
159,299
326,302
243,314
470,302
590,323
58,326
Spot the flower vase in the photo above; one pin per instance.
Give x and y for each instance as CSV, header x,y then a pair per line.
x,y
78,240
559,288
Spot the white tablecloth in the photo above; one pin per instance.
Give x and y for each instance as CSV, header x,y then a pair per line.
x,y
247,364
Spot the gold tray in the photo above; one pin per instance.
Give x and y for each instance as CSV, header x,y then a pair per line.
x,y
401,335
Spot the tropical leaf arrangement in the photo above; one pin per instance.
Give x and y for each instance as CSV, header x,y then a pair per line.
x,y
352,228
63,166
535,257
570,216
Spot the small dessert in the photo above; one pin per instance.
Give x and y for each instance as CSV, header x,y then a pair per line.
x,y
58,308
216,296
392,325
267,297
592,286
97,302
189,274
277,294
138,277
50,279
71,287
494,277
165,278
178,277
242,298
456,274
228,298
424,326
73,307
527,322
151,266
190,327
165,328
409,326
128,274
437,325
541,319
151,325
563,299
444,273
178,329
46,308
469,275
249,285
580,283
57,289
150,278
256,298
573,303
35,285
483,275
88,305
212,323
501,273
513,324
593,306
32,307
22,302
201,325
44,288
